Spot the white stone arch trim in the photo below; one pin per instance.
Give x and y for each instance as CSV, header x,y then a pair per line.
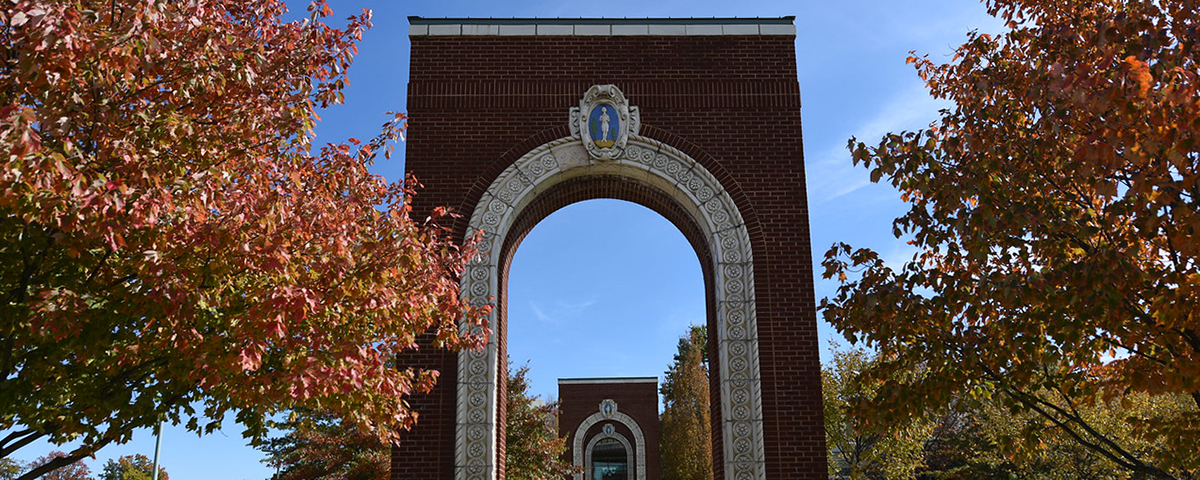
x,y
714,212
586,473
582,455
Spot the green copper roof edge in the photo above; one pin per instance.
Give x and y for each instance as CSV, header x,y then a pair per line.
x,y
788,20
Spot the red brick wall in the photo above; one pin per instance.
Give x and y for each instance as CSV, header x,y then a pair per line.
x,y
732,103
638,400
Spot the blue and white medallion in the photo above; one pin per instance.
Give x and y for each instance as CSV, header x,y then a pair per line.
x,y
608,408
604,124
604,121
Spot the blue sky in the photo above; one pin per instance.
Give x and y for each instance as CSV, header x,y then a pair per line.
x,y
605,288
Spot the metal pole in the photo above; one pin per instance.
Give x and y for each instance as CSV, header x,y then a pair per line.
x,y
157,447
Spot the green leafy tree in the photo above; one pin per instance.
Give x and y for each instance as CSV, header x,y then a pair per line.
x,y
1056,217
10,469
987,440
131,467
533,449
858,450
1060,456
959,449
686,430
170,238
979,438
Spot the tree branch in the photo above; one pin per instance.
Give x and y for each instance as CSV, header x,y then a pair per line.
x,y
59,462
29,437
1102,445
12,436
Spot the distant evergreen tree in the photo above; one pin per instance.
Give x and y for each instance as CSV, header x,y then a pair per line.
x,y
686,441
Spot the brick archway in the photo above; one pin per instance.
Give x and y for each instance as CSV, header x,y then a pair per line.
x,y
484,93
667,180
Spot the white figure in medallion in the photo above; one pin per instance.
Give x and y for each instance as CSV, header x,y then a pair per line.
x,y
604,118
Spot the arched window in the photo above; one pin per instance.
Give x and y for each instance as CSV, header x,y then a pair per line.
x,y
610,460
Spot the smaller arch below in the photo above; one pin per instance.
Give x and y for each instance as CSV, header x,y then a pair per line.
x,y
639,441
587,455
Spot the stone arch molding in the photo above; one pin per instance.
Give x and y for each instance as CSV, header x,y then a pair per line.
x,y
583,455
587,460
711,208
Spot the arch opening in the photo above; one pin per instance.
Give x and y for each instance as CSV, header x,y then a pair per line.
x,y
669,182
600,288
610,460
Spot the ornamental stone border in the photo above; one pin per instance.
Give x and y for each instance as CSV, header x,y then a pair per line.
x,y
712,209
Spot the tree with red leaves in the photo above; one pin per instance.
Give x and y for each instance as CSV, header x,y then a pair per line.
x,y
1055,210
73,471
170,238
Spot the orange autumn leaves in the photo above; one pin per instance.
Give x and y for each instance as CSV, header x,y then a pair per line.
x,y
1139,72
173,245
1055,209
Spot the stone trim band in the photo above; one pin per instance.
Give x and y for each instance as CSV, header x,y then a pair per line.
x,y
419,27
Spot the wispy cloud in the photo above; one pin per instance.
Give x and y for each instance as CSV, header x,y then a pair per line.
x,y
559,311
832,174
538,313
899,26
900,254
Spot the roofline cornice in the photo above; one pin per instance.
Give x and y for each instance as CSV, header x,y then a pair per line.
x,y
420,26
